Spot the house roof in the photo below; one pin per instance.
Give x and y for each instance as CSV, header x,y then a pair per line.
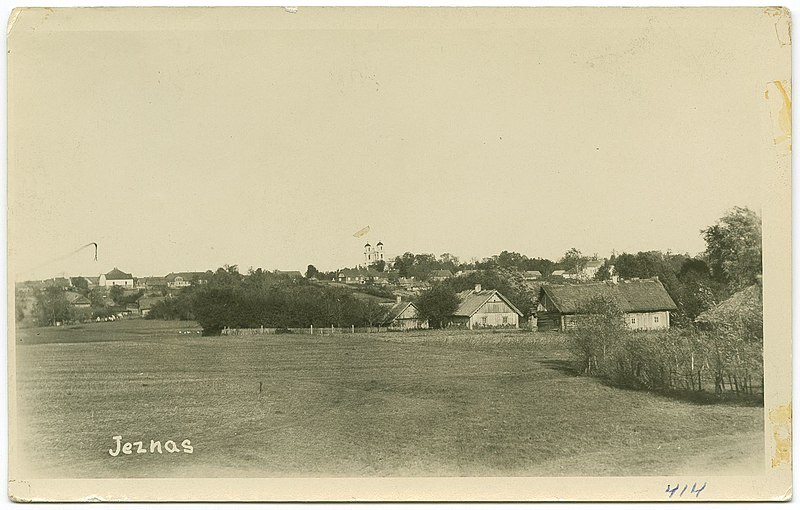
x,y
733,307
154,280
442,273
395,309
591,264
647,295
77,299
185,275
116,274
533,273
558,272
471,301
145,303
293,274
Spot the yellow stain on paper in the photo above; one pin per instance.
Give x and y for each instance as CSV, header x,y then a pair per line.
x,y
781,113
781,420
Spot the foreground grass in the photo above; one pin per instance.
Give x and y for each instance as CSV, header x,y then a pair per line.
x,y
416,404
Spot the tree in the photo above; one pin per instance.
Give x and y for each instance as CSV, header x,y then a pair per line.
x,y
117,294
52,306
80,285
437,304
573,261
311,271
599,322
734,248
380,265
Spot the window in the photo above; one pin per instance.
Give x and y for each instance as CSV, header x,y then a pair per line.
x,y
655,319
633,320
483,320
505,319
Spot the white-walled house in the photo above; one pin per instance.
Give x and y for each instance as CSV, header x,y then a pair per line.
x,y
116,278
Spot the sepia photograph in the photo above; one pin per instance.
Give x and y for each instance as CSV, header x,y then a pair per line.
x,y
399,254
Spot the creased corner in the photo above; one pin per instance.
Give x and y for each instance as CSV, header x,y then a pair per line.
x,y
783,24
13,19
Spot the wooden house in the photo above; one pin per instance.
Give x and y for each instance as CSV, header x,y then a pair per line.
x,y
645,303
480,308
402,316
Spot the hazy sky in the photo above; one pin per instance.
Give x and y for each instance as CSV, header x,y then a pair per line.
x,y
268,139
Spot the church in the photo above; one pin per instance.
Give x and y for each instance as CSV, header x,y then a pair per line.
x,y
373,255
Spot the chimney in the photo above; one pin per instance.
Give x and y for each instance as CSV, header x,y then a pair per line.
x,y
477,287
399,299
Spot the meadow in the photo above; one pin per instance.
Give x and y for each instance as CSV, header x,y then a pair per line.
x,y
445,403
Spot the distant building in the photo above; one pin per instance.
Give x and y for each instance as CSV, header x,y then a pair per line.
x,y
146,303
362,276
441,275
480,308
294,275
402,316
185,279
588,272
151,283
116,278
558,272
78,300
645,303
531,275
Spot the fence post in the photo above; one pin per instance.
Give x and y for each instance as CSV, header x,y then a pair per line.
x,y
312,329
352,328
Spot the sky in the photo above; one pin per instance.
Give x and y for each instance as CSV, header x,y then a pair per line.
x,y
188,140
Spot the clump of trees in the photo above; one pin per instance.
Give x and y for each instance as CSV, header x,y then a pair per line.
x,y
437,304
260,298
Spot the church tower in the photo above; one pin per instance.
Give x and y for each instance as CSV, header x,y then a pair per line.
x,y
368,254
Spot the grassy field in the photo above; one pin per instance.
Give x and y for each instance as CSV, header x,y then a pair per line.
x,y
393,404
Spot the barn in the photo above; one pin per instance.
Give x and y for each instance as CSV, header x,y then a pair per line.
x,y
645,303
484,309
402,316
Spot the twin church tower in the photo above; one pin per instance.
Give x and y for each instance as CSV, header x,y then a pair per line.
x,y
373,255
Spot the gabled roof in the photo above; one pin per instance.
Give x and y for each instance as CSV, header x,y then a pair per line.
x,y
77,299
591,264
532,274
116,274
647,295
145,303
442,273
293,274
471,301
394,310
557,272
732,308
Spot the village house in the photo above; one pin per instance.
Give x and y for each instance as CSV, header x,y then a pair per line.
x,y
116,278
294,275
480,308
184,279
151,283
78,300
530,276
146,303
362,276
646,305
441,275
587,273
402,316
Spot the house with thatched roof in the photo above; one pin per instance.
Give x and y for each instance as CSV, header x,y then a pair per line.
x,y
480,308
645,303
402,316
733,310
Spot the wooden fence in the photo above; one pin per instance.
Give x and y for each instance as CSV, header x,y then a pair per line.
x,y
311,330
